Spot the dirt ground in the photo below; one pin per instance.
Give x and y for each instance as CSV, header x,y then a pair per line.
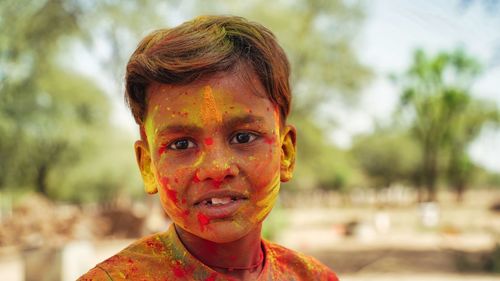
x,y
401,247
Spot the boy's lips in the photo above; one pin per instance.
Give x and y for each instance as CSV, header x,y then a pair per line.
x,y
219,194
220,204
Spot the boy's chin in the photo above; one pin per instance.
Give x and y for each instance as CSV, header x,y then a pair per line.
x,y
223,232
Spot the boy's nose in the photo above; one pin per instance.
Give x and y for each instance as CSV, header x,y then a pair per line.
x,y
217,166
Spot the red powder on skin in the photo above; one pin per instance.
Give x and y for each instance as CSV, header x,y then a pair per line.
x,y
196,179
172,195
209,141
157,246
212,277
332,278
269,140
164,181
178,271
161,150
203,220
216,183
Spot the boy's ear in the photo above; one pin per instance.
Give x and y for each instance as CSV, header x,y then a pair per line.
x,y
143,158
288,150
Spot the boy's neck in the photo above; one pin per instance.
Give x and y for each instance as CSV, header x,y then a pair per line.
x,y
246,252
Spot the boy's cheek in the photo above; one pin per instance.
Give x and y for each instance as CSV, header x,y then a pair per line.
x,y
265,170
174,182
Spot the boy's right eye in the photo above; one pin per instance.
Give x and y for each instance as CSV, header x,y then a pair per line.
x,y
181,144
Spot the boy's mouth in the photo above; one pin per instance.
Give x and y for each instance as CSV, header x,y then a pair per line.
x,y
218,201
220,204
219,197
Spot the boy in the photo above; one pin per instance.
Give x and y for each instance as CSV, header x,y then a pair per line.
x,y
211,98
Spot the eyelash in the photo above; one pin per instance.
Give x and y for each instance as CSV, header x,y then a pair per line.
x,y
252,134
171,146
191,144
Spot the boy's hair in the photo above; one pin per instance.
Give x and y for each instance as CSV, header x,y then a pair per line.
x,y
204,46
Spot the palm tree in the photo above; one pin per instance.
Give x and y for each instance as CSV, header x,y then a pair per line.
x,y
436,90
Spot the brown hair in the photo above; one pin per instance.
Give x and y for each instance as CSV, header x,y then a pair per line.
x,y
204,46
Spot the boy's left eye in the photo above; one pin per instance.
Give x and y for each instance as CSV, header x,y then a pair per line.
x,y
243,137
181,144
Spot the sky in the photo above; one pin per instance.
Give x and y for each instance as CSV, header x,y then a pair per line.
x,y
394,28
390,32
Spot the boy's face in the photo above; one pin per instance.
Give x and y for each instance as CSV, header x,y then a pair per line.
x,y
216,154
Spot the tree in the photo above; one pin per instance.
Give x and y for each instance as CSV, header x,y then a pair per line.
x,y
27,47
387,156
51,118
465,125
436,90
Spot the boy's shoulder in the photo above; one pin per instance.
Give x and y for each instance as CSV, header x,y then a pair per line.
x,y
146,255
162,255
291,265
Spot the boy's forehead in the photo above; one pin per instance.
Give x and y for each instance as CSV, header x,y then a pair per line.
x,y
232,83
207,102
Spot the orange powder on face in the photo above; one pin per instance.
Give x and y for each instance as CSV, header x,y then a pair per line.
x,y
171,193
209,110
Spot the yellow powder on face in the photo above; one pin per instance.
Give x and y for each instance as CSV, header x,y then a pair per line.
x,y
268,202
276,112
199,161
149,128
150,184
209,110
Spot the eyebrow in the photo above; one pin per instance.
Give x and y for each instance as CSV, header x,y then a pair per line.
x,y
227,124
242,120
177,128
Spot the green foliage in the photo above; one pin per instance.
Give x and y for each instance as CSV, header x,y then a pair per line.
x,y
51,119
387,156
105,169
446,118
319,163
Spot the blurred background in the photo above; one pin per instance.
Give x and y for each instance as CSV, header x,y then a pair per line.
x,y
397,106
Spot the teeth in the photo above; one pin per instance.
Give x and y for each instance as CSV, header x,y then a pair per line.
x,y
221,201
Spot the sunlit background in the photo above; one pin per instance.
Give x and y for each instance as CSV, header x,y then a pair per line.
x,y
397,106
